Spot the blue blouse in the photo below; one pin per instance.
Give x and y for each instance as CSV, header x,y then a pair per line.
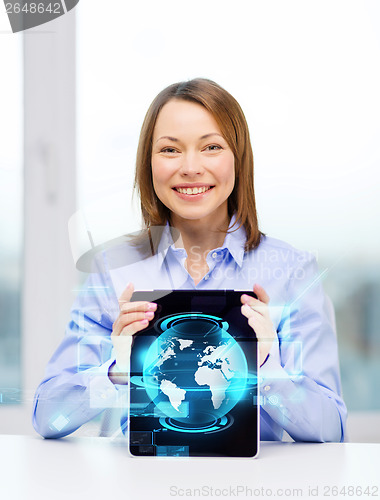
x,y
300,389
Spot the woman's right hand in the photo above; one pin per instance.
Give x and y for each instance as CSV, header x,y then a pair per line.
x,y
133,317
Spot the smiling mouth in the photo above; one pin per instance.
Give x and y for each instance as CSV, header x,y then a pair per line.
x,y
193,191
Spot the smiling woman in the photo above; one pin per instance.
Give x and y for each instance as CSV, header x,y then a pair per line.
x,y
195,135
195,164
194,174
194,179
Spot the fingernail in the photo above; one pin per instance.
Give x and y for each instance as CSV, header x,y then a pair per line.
x,y
152,307
149,314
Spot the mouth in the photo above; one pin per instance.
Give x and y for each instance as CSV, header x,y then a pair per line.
x,y
193,191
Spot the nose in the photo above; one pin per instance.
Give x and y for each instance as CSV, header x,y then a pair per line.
x,y
191,165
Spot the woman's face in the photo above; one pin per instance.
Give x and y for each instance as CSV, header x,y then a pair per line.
x,y
192,164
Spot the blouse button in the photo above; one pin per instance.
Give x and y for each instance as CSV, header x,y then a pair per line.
x,y
214,255
207,277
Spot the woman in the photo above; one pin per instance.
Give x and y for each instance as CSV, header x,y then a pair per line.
x,y
194,174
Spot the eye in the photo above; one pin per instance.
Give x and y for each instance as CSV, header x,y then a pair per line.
x,y
213,147
169,150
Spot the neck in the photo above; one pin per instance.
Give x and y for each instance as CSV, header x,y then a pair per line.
x,y
199,237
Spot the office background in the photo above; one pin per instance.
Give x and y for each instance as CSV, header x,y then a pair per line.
x,y
73,97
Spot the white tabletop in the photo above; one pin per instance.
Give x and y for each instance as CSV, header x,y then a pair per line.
x,y
98,468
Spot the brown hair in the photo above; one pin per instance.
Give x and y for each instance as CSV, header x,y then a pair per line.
x,y
233,125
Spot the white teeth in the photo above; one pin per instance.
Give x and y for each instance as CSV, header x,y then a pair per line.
x,y
193,190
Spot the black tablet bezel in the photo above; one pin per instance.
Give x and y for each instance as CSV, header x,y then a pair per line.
x,y
240,441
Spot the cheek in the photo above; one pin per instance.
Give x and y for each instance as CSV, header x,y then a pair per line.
x,y
159,171
227,172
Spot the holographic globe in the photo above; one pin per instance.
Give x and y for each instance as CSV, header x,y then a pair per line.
x,y
195,371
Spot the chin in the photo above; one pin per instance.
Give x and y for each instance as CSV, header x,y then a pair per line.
x,y
196,215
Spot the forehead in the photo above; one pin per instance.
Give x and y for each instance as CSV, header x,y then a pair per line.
x,y
178,115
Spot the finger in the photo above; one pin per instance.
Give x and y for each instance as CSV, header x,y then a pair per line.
x,y
134,327
257,323
126,294
123,320
256,317
246,298
251,301
248,310
129,307
261,293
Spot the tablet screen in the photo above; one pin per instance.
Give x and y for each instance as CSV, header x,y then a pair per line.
x,y
194,387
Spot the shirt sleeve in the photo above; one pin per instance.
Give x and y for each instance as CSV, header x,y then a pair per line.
x,y
300,387
76,386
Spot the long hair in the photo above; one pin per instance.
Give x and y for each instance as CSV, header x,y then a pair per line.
x,y
233,125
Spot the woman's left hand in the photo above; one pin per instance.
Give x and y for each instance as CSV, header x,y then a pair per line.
x,y
257,312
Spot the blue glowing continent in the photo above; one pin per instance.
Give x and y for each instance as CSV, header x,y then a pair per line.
x,y
215,372
174,393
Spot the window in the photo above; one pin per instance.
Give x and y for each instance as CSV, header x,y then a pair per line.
x,y
37,103
11,218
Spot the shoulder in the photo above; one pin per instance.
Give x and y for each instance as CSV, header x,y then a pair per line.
x,y
278,251
116,257
133,261
118,253
115,253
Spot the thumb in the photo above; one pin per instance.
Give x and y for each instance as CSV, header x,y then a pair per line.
x,y
261,294
126,294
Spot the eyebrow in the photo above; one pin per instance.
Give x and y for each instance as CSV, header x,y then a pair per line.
x,y
174,139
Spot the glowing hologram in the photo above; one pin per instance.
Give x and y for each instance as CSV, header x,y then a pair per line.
x,y
274,400
141,437
195,370
60,422
93,229
172,451
103,346
214,425
12,395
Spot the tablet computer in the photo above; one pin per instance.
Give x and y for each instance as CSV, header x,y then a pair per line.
x,y
194,377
